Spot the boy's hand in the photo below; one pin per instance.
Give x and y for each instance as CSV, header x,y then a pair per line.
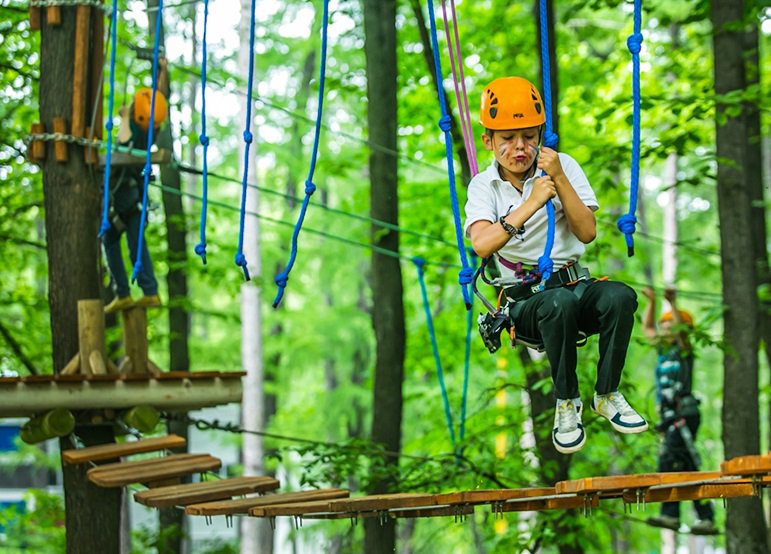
x,y
549,162
543,190
670,294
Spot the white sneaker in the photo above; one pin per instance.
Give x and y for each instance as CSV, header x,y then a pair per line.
x,y
617,410
568,434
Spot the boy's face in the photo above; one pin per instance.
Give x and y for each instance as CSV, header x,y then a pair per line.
x,y
515,149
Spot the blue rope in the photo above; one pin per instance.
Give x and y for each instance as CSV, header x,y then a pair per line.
x,y
420,264
282,278
466,274
248,137
545,263
150,130
467,356
104,227
200,248
626,223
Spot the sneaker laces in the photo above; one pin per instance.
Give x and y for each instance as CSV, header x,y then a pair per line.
x,y
567,416
621,405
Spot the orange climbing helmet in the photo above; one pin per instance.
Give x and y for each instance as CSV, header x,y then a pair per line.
x,y
511,103
142,100
686,317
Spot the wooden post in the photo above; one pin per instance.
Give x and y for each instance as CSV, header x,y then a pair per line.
x,y
80,69
34,18
37,148
91,152
135,338
142,418
95,96
90,333
60,147
54,15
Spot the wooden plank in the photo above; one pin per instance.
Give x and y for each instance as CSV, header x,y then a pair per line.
x,y
34,18
747,465
635,481
244,505
60,147
135,338
90,333
567,502
113,451
80,69
293,509
381,502
490,496
691,492
154,470
54,15
442,511
37,148
206,491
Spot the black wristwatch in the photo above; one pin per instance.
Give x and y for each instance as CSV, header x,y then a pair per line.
x,y
510,229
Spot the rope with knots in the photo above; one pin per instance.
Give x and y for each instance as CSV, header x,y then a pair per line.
x,y
105,225
283,277
466,274
545,263
626,223
248,137
200,248
150,130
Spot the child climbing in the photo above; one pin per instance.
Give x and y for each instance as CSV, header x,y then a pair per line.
x,y
506,218
677,406
126,189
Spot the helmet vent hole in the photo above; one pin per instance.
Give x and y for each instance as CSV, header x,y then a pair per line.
x,y
493,112
538,107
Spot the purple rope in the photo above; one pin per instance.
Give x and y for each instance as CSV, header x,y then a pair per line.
x,y
462,99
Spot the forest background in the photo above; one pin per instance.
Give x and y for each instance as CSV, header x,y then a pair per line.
x,y
319,346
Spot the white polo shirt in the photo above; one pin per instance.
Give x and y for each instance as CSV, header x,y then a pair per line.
x,y
490,197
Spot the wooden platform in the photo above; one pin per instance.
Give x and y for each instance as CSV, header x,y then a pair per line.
x,y
24,396
741,477
104,452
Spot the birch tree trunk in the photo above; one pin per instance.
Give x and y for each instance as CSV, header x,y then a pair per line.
x,y
256,535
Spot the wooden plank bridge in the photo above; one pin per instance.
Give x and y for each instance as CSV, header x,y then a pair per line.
x,y
260,496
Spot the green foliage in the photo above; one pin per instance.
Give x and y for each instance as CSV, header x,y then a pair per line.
x,y
39,528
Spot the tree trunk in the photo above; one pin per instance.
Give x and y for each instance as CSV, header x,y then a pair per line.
x,y
745,526
72,201
388,308
256,534
172,521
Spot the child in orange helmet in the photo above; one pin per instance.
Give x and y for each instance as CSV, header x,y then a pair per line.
x,y
677,406
126,189
506,219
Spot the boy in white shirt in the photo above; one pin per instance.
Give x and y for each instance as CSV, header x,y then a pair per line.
x,y
506,218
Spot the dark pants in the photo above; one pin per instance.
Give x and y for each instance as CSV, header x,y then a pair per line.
x,y
112,251
555,316
674,456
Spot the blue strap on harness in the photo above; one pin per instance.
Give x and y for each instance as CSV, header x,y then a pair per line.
x,y
283,277
248,137
626,223
150,130
420,264
200,248
545,263
466,274
105,225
